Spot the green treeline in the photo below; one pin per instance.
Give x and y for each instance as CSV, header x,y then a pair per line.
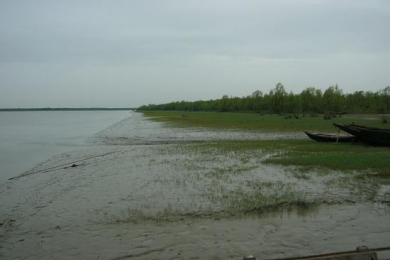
x,y
278,100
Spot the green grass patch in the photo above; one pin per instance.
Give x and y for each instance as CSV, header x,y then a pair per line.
x,y
258,122
309,154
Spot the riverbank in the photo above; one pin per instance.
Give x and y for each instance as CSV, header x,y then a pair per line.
x,y
296,150
261,122
129,198
164,202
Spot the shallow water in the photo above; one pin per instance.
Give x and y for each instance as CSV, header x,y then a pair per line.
x,y
140,130
29,137
184,200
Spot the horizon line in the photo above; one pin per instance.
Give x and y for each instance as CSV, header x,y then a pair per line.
x,y
64,108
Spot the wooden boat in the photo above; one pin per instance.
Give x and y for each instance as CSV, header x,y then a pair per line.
x,y
361,253
386,130
320,137
368,135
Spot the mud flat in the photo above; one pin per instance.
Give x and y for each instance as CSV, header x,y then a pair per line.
x,y
176,199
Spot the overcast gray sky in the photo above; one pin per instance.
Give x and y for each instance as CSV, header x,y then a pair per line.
x,y
128,53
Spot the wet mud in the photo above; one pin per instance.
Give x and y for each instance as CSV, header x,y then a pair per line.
x,y
146,191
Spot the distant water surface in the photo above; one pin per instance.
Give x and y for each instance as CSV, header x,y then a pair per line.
x,y
27,138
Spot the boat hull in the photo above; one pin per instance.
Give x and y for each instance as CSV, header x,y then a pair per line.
x,y
320,137
368,135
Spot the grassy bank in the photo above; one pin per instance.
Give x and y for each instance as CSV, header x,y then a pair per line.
x,y
257,122
309,154
304,153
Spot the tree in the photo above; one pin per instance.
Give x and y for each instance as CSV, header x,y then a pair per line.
x,y
279,98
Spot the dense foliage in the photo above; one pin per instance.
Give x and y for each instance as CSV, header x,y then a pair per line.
x,y
309,101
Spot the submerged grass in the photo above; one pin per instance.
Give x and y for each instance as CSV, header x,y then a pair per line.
x,y
272,199
257,122
221,171
266,197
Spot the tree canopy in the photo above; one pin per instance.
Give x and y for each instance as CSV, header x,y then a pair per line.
x,y
278,100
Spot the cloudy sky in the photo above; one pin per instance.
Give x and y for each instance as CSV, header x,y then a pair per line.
x,y
65,53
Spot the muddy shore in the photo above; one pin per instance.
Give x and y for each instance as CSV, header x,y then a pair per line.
x,y
144,191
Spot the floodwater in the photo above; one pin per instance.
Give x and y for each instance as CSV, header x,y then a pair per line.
x,y
143,190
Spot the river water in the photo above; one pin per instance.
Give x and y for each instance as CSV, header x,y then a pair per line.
x,y
29,137
128,187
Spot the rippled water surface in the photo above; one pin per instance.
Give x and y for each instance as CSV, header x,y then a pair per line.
x,y
141,189
27,138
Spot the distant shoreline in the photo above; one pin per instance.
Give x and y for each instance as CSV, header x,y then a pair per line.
x,y
64,109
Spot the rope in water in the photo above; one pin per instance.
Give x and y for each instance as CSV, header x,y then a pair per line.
x,y
60,166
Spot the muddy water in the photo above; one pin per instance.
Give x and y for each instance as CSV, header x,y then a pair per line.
x,y
183,200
